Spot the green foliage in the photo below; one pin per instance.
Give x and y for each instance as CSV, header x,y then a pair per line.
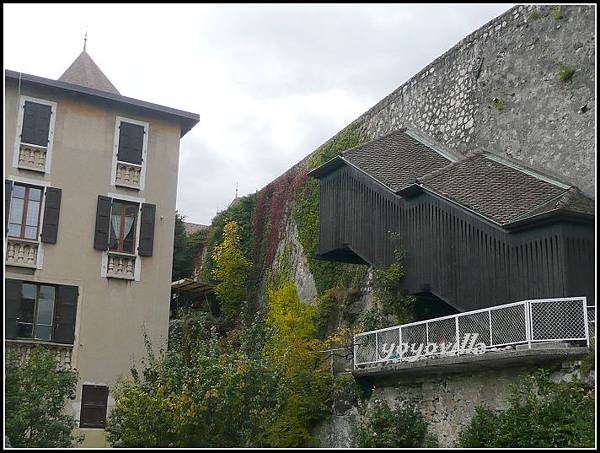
x,y
305,214
498,103
402,427
533,13
346,388
36,392
305,388
541,414
397,307
185,248
555,12
218,394
332,310
241,212
231,271
373,319
564,72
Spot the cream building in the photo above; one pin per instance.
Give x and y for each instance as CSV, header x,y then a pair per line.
x,y
90,188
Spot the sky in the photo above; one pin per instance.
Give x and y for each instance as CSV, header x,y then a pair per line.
x,y
270,82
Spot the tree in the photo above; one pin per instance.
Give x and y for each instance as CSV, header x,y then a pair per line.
x,y
183,266
36,393
231,271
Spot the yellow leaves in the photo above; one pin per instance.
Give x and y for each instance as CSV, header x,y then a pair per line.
x,y
231,269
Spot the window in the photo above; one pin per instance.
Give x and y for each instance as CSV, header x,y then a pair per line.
x,y
123,220
36,311
36,123
24,217
131,143
94,400
129,159
40,311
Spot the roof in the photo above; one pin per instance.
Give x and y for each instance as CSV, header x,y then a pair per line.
x,y
85,72
186,120
493,187
395,160
502,192
191,228
192,286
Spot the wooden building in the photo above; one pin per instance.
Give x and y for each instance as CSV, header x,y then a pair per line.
x,y
476,231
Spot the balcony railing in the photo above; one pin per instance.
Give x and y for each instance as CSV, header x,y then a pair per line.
x,y
504,326
23,347
128,175
32,157
21,252
121,265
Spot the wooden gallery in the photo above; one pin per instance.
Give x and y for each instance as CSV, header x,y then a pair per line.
x,y
476,231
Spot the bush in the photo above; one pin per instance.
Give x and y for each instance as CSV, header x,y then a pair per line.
x,y
393,428
36,392
564,72
541,414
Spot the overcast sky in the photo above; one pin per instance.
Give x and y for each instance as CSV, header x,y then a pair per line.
x,y
270,82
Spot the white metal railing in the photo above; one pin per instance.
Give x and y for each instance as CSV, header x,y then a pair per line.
x,y
524,322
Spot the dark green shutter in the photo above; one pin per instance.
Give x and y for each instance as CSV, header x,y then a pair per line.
x,y
51,215
94,400
102,223
147,229
7,195
65,314
131,143
12,303
36,123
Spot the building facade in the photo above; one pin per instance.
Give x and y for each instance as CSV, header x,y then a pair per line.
x,y
90,191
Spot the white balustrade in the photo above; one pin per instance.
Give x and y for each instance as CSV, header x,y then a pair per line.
x,y
32,157
120,266
128,175
20,252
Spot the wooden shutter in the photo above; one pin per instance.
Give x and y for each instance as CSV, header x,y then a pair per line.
x,y
65,314
94,399
131,143
51,214
147,229
102,223
36,123
7,195
12,302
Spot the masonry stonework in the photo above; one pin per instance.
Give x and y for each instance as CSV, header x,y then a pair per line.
x,y
447,402
498,90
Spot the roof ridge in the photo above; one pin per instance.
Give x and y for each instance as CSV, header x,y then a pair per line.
x,y
370,142
435,173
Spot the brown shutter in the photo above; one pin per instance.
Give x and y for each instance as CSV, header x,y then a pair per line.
x,y
36,123
7,194
11,307
94,399
51,214
65,314
131,143
102,223
147,229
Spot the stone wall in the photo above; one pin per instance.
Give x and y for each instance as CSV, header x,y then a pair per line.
x,y
498,90
447,402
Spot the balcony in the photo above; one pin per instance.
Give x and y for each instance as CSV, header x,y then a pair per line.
x,y
32,157
128,175
21,252
527,328
120,265
23,347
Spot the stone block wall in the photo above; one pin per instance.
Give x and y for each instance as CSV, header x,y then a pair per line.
x,y
447,402
498,90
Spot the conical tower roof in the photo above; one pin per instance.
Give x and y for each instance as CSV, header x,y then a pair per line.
x,y
84,72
